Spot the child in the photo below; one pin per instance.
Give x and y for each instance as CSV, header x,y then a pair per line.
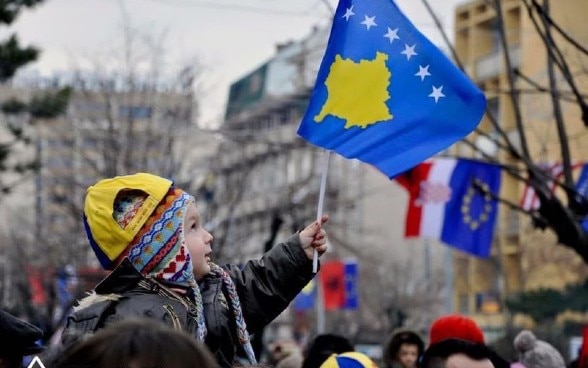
x,y
150,234
403,350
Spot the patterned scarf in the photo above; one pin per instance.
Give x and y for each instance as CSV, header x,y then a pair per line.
x,y
159,250
235,307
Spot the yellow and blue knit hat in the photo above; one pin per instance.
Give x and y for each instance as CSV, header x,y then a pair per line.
x,y
114,214
352,359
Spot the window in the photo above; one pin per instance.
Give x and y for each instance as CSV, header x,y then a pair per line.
x,y
134,112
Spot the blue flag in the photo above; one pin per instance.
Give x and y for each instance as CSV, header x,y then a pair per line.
x,y
582,188
470,214
306,298
384,94
351,280
444,204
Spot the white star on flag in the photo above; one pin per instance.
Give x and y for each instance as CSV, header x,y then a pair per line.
x,y
437,93
423,72
409,51
392,34
369,21
348,13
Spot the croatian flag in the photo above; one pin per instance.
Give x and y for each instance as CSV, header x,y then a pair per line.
x,y
444,204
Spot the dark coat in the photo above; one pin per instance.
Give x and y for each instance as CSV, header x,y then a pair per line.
x,y
265,287
17,337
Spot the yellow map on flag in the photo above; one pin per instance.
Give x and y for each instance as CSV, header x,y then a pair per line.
x,y
357,92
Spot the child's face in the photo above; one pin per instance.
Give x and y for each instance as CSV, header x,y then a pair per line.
x,y
407,355
198,242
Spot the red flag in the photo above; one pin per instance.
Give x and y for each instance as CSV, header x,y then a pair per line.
x,y
412,180
38,295
333,284
583,358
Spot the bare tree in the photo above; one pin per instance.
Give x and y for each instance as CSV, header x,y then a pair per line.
x,y
128,113
563,216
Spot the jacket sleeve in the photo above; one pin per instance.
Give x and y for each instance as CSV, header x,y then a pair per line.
x,y
266,286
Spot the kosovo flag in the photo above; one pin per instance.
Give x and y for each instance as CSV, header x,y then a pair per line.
x,y
306,298
385,94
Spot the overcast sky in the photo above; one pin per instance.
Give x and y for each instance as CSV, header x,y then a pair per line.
x,y
228,37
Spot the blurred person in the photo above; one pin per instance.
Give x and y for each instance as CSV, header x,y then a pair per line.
x,y
136,343
456,326
150,235
535,353
18,339
457,353
403,350
293,360
286,350
322,347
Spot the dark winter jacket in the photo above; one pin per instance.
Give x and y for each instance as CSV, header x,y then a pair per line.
x,y
265,287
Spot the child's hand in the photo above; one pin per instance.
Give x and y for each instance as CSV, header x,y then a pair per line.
x,y
314,237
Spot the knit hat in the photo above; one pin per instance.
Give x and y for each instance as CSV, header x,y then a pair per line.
x,y
534,353
134,205
110,228
349,360
455,326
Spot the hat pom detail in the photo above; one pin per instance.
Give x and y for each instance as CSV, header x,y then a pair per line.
x,y
525,341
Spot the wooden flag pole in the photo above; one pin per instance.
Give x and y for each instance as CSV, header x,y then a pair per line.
x,y
321,201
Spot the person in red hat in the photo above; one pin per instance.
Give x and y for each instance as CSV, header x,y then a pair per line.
x,y
457,353
17,340
456,337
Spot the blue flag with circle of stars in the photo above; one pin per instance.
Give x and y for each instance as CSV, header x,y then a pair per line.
x,y
384,94
469,216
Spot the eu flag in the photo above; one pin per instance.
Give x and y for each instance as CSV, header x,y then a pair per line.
x,y
470,214
384,94
445,204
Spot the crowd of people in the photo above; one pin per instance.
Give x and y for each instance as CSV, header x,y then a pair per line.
x,y
165,303
454,341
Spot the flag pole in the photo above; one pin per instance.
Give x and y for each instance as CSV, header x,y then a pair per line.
x,y
321,201
320,307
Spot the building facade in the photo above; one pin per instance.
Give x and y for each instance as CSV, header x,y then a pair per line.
x,y
523,258
103,133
